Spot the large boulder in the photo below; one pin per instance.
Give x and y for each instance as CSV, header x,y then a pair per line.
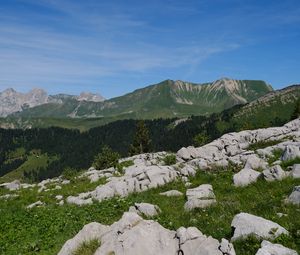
x,y
294,197
296,171
245,177
146,209
268,248
91,231
290,152
274,173
200,197
132,235
245,224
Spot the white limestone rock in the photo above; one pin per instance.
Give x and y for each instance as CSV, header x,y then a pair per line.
x,y
245,224
245,177
38,203
12,186
200,197
268,248
171,193
255,162
193,242
290,152
79,201
146,209
296,171
91,231
294,197
226,247
132,235
274,173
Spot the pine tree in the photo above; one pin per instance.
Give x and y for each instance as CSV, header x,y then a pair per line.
x,y
141,142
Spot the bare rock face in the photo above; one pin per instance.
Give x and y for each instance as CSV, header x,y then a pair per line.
x,y
86,96
200,197
245,224
268,248
12,101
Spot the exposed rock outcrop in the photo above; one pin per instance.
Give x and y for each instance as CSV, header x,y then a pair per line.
x,y
200,197
132,235
245,224
268,248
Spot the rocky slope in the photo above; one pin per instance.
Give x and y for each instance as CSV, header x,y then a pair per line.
x,y
166,99
12,101
133,235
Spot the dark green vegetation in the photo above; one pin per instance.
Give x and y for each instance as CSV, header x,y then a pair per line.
x,y
165,99
106,158
169,159
65,148
44,230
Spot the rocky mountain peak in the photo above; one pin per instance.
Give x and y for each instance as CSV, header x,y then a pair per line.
x,y
87,96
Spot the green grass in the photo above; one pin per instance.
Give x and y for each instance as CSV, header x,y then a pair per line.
x,y
87,248
291,162
44,230
263,144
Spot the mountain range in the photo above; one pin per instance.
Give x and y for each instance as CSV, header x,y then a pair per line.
x,y
166,99
12,101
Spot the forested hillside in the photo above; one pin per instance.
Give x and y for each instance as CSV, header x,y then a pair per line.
x,y
39,153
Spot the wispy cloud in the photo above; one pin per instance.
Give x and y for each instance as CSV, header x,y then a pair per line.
x,y
70,42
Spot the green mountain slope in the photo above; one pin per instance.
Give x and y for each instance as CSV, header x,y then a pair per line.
x,y
166,99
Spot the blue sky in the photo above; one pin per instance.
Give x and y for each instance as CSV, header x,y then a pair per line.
x,y
113,47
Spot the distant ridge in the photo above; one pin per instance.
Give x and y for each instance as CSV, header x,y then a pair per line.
x,y
163,100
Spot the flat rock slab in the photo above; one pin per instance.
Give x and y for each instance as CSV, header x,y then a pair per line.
x,y
200,197
245,224
171,193
268,248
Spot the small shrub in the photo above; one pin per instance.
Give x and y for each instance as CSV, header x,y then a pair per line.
x,y
276,155
106,158
123,164
291,162
169,159
200,139
69,173
87,248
